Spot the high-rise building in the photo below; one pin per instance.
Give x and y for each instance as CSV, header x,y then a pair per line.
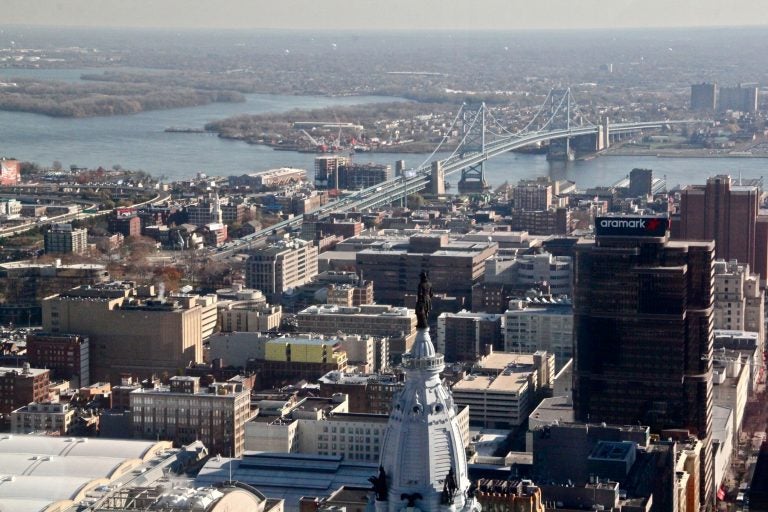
x,y
739,300
465,336
703,96
131,330
280,266
63,238
532,195
643,315
640,182
327,170
743,98
540,324
186,412
730,215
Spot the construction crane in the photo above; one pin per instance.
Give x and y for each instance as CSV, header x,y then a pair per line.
x,y
311,138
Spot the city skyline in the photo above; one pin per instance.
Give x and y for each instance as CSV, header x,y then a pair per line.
x,y
396,14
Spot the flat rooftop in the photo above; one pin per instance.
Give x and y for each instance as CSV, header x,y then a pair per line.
x,y
507,384
502,360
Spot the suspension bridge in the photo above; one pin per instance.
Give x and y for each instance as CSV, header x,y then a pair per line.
x,y
558,121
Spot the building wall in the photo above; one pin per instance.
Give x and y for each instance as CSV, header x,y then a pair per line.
x,y
236,348
398,324
66,355
257,318
42,417
217,419
278,436
59,240
726,213
643,335
464,336
538,327
141,342
21,386
274,270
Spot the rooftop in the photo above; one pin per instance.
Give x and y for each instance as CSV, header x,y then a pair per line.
x,y
510,383
43,470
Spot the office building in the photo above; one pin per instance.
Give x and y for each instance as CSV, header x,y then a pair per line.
x,y
643,313
739,300
358,176
288,359
466,336
21,386
25,284
526,271
532,195
186,412
206,212
743,98
327,170
540,324
729,214
703,97
66,355
453,266
63,238
368,393
504,388
124,221
131,329
552,221
10,209
396,323
42,417
247,316
272,178
324,426
640,183
281,266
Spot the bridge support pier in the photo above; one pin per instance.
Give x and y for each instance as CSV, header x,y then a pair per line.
x,y
560,150
473,181
437,182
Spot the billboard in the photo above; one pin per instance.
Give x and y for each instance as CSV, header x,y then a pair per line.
x,y
632,226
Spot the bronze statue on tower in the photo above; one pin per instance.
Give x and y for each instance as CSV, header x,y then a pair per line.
x,y
423,301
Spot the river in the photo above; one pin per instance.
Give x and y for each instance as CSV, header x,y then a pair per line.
x,y
139,142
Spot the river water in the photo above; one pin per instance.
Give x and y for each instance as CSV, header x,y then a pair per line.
x,y
139,142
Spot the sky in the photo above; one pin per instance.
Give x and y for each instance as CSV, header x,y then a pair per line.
x,y
385,14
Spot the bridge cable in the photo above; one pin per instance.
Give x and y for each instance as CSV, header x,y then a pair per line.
x,y
445,137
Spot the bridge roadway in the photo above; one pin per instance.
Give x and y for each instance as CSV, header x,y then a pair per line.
x,y
396,189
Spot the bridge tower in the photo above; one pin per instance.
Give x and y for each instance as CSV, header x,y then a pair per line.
x,y
473,177
560,119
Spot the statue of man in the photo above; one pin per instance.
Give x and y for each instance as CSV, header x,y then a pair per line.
x,y
423,300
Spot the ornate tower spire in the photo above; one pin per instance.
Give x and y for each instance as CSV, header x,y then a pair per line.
x,y
423,465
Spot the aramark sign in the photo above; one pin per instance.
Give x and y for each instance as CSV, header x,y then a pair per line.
x,y
631,226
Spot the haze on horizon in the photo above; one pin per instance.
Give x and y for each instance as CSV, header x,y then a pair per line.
x,y
386,14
